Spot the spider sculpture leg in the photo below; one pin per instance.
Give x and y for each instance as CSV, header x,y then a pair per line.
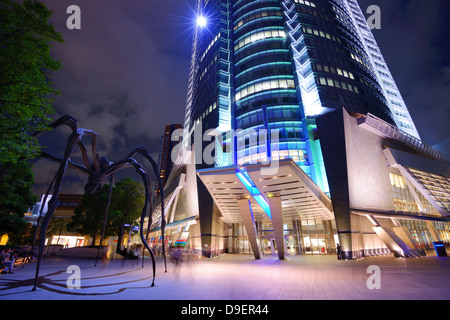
x,y
72,141
146,181
142,150
66,119
40,213
105,219
149,223
72,165
70,122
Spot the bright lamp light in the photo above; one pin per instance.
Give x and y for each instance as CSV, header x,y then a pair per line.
x,y
201,21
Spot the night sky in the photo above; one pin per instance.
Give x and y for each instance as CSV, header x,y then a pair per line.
x,y
126,71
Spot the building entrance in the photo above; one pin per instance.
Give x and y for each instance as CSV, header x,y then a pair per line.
x,y
315,244
300,237
268,246
310,244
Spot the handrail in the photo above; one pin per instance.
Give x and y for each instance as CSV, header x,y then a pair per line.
x,y
397,134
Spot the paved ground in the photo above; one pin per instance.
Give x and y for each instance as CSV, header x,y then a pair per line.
x,y
236,277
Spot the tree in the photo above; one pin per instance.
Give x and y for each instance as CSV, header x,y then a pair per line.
x,y
26,94
127,201
24,236
16,198
88,217
12,224
15,189
128,198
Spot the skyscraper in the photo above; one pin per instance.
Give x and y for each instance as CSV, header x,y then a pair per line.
x,y
302,83
274,66
277,65
167,144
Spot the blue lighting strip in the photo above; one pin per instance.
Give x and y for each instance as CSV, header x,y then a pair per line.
x,y
243,175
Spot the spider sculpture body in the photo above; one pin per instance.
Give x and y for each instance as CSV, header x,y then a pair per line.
x,y
98,170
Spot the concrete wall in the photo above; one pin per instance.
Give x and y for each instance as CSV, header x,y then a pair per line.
x,y
368,173
358,176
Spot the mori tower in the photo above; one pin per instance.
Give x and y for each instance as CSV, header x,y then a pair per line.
x,y
303,84
271,64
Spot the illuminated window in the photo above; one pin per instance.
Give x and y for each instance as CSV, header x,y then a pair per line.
x,y
397,181
267,85
259,36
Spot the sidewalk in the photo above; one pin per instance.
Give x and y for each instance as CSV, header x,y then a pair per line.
x,y
234,277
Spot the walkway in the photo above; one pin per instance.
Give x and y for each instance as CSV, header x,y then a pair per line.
x,y
235,277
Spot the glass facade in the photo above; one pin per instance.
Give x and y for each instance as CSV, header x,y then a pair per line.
x,y
421,232
328,50
404,200
265,90
209,89
438,186
303,236
262,72
394,99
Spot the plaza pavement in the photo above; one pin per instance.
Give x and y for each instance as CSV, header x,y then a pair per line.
x,y
235,277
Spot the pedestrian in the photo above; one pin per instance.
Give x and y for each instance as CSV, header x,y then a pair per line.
x,y
7,260
338,251
105,258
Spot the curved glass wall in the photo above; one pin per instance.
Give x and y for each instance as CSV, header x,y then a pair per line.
x,y
276,65
265,89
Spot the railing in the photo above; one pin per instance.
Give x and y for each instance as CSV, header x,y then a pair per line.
x,y
395,133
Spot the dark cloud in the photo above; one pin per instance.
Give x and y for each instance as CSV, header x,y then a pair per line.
x,y
125,76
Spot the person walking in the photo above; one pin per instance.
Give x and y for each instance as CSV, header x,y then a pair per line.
x,y
338,251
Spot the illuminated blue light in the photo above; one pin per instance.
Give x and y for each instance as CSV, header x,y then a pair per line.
x,y
264,205
244,180
201,21
254,191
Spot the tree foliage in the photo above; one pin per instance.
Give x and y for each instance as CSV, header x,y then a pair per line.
x,y
12,224
26,94
88,217
127,201
16,197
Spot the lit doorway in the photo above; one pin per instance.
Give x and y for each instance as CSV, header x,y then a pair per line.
x,y
315,244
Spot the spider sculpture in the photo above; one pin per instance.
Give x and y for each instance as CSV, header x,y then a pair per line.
x,y
98,171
